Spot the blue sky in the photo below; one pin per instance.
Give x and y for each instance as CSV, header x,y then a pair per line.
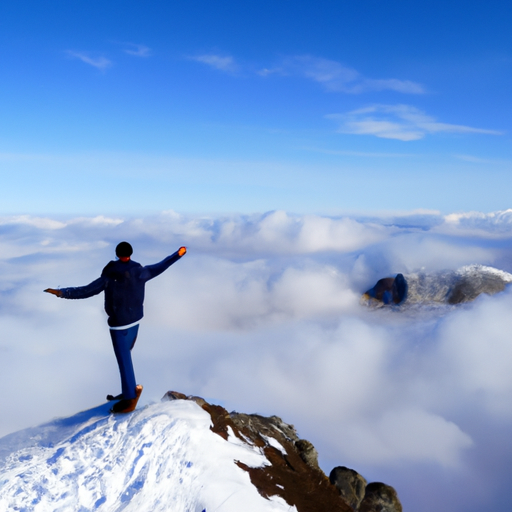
x,y
128,107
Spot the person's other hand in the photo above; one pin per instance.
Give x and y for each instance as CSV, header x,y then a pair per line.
x,y
57,293
182,251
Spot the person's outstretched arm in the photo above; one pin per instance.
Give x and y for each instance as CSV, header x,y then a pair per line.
x,y
151,271
79,292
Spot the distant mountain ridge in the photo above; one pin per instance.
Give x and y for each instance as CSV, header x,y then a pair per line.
x,y
180,455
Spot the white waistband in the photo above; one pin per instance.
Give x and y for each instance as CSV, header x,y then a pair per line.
x,y
123,327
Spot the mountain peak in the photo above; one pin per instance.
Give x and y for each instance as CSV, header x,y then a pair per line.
x,y
182,454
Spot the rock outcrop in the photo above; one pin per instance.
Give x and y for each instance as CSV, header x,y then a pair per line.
x,y
293,472
445,287
350,484
380,497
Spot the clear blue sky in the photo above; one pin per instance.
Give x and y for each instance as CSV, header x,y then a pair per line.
x,y
199,106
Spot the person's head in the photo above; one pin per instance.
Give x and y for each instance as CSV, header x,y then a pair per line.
x,y
124,251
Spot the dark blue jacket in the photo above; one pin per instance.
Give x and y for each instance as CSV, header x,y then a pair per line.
x,y
123,284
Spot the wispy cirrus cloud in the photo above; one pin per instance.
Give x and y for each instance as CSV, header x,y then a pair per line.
x,y
365,154
137,50
390,84
99,62
332,75
480,160
336,77
401,122
220,62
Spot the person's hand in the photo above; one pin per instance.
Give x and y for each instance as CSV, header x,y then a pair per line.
x,y
182,251
57,293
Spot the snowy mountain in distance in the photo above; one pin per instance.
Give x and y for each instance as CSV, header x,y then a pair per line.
x,y
162,457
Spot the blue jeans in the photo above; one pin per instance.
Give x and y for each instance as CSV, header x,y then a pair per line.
x,y
123,342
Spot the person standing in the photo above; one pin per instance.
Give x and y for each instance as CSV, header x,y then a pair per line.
x,y
123,281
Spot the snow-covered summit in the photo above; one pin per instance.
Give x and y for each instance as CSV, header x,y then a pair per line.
x,y
180,455
162,457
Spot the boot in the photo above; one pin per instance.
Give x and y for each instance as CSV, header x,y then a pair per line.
x,y
128,404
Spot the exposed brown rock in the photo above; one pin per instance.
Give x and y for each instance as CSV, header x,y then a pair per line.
x,y
350,484
293,472
380,497
301,484
290,477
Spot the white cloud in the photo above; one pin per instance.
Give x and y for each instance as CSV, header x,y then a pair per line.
x,y
332,75
479,160
280,232
412,434
393,84
220,62
485,224
137,50
479,352
38,222
97,62
263,315
401,122
272,71
98,220
365,154
336,77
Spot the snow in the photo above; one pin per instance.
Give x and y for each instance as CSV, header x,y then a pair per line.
x,y
482,270
275,443
162,457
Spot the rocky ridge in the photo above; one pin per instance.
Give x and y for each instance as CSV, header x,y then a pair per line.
x,y
293,472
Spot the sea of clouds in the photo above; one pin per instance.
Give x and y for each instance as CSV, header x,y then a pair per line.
x,y
263,315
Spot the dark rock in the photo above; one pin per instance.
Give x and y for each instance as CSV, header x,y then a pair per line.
x,y
468,288
350,484
176,395
307,453
389,290
383,290
380,497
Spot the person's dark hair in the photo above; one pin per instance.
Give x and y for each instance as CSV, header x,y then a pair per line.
x,y
124,250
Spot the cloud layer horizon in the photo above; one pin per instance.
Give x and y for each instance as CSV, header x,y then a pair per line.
x,y
263,315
